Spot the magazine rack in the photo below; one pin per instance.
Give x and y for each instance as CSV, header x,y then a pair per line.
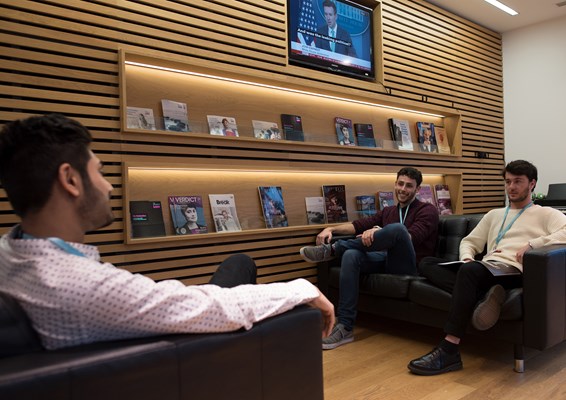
x,y
209,164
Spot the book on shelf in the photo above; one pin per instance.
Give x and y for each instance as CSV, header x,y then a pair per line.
x,y
316,212
175,116
344,132
442,140
146,218
364,135
401,133
222,126
223,207
187,215
292,126
140,118
335,203
266,130
497,268
426,137
272,205
426,195
365,205
443,199
385,199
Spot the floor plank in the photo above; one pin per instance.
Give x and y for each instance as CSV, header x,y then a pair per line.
x,y
374,366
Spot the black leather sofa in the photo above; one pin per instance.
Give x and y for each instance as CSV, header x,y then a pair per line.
x,y
533,316
278,359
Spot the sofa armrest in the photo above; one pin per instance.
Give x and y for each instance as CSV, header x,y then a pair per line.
x,y
544,296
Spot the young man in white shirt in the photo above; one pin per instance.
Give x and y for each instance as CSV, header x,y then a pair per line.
x,y
56,186
508,233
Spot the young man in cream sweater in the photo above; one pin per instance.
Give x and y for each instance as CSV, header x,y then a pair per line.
x,y
507,233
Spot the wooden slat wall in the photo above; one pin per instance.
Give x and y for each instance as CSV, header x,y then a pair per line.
x,y
62,56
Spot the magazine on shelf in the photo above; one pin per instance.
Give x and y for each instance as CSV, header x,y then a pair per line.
x,y
292,126
316,213
401,133
365,205
497,268
272,205
223,207
443,199
175,116
187,215
364,135
222,126
146,217
335,203
442,140
426,137
266,130
344,132
140,118
426,195
386,199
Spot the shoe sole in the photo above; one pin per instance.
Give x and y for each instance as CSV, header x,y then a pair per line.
x,y
494,297
302,252
426,372
330,346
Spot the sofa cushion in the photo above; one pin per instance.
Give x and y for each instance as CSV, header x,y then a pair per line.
x,y
386,285
16,334
451,230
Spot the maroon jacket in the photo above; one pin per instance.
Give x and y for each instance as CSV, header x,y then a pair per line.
x,y
421,222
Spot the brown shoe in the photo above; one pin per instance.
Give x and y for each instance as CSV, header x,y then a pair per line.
x,y
487,312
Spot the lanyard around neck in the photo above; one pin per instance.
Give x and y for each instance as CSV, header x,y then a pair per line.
x,y
59,243
402,217
503,231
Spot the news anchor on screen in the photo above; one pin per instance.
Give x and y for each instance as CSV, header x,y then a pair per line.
x,y
342,43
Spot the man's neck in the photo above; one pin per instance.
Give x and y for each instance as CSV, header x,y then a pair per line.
x,y
403,205
519,205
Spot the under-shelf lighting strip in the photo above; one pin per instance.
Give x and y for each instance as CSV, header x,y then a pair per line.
x,y
263,85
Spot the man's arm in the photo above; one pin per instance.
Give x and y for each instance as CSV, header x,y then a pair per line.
x,y
343,229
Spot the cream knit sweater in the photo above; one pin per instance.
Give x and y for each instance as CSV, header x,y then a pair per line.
x,y
539,226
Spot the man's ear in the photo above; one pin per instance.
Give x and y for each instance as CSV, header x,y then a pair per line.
x,y
69,179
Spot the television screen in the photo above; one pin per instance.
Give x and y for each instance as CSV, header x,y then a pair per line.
x,y
333,35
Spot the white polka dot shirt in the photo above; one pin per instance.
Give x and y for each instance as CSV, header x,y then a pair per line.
x,y
73,300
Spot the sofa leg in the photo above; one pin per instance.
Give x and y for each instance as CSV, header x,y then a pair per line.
x,y
519,358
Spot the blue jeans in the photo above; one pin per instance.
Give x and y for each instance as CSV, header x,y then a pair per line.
x,y
391,252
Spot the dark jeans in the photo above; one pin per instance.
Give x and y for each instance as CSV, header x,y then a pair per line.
x,y
238,269
391,252
468,284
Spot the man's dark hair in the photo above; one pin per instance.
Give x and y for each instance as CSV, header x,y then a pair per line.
x,y
521,167
31,152
328,3
412,173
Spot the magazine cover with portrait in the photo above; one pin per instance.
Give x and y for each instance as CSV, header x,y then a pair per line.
x,y
344,131
272,206
187,215
222,126
335,203
223,207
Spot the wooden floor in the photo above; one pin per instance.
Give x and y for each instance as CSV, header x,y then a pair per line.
x,y
374,366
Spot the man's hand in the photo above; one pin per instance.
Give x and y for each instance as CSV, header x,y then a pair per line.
x,y
327,310
324,237
519,254
367,236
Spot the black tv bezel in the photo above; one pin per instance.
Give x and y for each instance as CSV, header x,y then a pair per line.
x,y
327,66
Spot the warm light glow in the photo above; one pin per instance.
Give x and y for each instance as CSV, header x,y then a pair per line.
x,y
502,7
303,92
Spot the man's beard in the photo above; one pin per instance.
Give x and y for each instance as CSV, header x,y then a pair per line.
x,y
95,207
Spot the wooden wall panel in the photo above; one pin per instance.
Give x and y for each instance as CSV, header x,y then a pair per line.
x,y
62,56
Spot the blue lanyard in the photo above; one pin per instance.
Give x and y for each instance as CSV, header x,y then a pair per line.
x,y
502,231
59,243
402,217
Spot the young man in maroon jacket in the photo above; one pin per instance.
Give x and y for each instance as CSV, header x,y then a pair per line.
x,y
390,242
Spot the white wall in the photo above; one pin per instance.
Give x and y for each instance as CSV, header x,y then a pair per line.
x,y
534,87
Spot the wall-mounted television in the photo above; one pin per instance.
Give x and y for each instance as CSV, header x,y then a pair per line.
x,y
332,35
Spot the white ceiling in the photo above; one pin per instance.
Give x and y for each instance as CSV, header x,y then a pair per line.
x,y
530,12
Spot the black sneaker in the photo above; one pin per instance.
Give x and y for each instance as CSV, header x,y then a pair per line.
x,y
436,362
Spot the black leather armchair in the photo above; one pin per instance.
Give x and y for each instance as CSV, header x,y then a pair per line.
x,y
533,316
278,359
